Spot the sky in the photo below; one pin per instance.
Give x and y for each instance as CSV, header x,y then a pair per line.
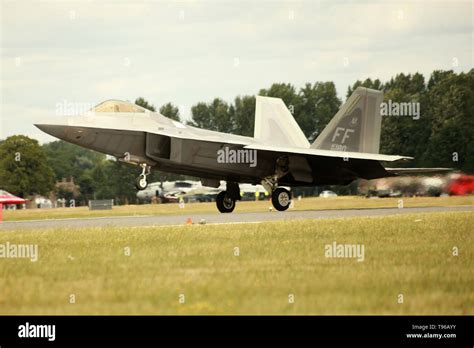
x,y
55,54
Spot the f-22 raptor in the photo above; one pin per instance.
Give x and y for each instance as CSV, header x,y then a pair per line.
x,y
277,156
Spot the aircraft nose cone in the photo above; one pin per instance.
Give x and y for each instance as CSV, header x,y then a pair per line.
x,y
54,130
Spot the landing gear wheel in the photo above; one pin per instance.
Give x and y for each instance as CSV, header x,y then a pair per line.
x,y
281,198
224,203
141,183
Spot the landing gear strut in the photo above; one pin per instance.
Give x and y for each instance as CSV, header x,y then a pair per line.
x,y
225,200
140,182
281,197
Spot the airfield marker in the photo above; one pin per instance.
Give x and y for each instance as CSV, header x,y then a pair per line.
x,y
189,221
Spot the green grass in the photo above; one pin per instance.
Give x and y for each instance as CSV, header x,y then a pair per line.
x,y
409,255
313,203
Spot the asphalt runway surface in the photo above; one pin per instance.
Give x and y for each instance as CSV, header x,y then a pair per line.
x,y
148,221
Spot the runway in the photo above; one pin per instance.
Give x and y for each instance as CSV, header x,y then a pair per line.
x,y
233,218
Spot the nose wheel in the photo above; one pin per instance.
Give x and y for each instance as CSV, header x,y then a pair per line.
x,y
141,182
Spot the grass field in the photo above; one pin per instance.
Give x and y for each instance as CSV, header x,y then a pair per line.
x,y
410,255
313,203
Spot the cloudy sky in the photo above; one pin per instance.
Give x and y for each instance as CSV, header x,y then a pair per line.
x,y
56,52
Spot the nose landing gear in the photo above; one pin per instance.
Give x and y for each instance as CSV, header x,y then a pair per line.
x,y
141,182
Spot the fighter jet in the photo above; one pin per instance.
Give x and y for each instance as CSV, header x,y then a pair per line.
x,y
277,156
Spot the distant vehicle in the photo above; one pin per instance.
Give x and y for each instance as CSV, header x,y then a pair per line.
x,y
182,185
250,192
162,190
153,190
202,194
326,194
42,202
170,197
461,185
384,193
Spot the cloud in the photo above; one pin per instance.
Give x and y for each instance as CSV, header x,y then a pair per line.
x,y
186,52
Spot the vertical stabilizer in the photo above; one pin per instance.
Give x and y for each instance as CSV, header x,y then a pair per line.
x,y
356,126
274,124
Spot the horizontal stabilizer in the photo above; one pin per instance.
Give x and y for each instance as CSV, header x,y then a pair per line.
x,y
327,153
407,171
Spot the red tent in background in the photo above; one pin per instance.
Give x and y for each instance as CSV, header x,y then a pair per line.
x,y
8,198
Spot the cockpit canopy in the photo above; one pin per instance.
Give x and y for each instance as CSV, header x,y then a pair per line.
x,y
118,106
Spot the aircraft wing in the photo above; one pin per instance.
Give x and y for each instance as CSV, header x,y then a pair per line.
x,y
327,153
402,171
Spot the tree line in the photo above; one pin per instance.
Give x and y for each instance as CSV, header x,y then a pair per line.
x,y
441,137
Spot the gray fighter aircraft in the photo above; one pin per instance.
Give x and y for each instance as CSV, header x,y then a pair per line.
x,y
277,155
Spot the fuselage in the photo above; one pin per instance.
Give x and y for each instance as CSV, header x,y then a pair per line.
x,y
139,136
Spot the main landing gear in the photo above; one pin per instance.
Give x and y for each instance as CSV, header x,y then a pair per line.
x,y
224,203
140,182
281,198
225,200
